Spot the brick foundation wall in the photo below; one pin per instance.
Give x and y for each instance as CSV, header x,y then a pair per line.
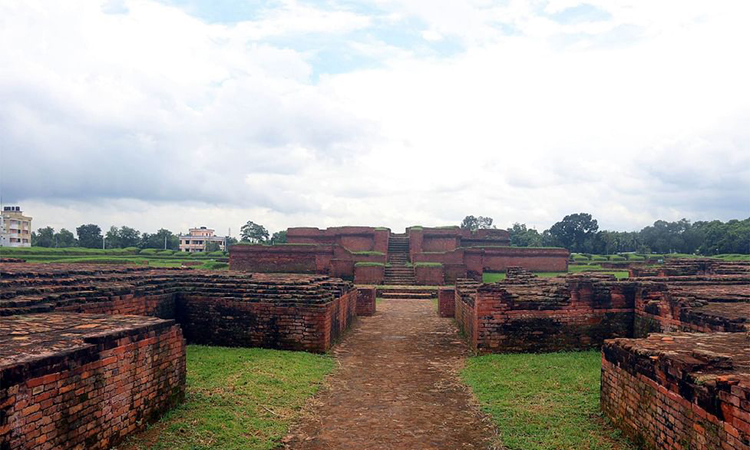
x,y
544,315
161,305
369,274
366,298
446,302
429,275
94,393
684,392
308,259
236,322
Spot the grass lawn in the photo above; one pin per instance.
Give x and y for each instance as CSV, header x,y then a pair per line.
x,y
544,401
237,398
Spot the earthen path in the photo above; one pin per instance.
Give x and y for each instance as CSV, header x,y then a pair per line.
x,y
396,387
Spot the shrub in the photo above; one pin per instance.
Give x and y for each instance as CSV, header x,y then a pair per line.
x,y
149,251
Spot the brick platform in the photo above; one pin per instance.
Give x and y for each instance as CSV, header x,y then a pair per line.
x,y
85,381
680,391
286,311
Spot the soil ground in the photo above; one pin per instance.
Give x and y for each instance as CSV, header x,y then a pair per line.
x,y
397,387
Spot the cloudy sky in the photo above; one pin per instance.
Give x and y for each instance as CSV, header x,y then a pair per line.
x,y
177,113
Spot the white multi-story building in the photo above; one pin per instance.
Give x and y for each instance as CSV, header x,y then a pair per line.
x,y
198,238
15,228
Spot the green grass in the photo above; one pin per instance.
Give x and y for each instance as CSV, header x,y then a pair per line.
x,y
237,398
369,253
428,264
544,401
368,264
493,277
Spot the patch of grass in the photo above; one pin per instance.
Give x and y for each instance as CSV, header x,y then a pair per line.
x,y
214,265
237,398
368,264
369,253
493,277
428,264
544,401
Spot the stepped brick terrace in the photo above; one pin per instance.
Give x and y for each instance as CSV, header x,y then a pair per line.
x,y
90,354
422,256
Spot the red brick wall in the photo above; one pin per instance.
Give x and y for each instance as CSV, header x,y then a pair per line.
x,y
96,396
446,302
658,402
242,323
369,274
281,258
161,305
546,318
429,276
366,298
466,318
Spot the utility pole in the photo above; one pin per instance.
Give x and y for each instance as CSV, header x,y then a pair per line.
x,y
165,242
103,242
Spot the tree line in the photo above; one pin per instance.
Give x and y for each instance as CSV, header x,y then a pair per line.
x,y
580,233
91,236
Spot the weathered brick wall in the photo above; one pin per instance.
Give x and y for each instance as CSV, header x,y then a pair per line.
x,y
366,298
160,305
236,322
429,275
699,303
684,391
569,316
115,376
281,258
369,274
352,238
447,302
541,315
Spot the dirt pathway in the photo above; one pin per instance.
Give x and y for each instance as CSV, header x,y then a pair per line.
x,y
396,387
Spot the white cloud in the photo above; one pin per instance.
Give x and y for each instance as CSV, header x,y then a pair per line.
x,y
154,118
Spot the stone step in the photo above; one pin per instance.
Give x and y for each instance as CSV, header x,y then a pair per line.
x,y
406,295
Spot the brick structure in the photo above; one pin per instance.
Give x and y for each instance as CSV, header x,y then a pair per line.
x,y
366,298
85,381
692,266
447,302
525,313
541,315
680,391
367,273
82,365
336,252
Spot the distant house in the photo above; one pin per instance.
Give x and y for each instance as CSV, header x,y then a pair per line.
x,y
198,238
15,228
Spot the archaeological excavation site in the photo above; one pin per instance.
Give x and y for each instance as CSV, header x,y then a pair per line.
x,y
96,356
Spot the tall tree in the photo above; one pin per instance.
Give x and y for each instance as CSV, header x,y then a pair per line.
x,y
158,239
477,223
253,233
575,232
129,237
279,237
44,237
65,238
520,236
112,237
89,236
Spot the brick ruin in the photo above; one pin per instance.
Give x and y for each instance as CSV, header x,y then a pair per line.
x,y
91,354
422,256
687,389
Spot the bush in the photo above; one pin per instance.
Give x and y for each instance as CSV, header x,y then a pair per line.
x,y
216,253
214,265
149,251
165,253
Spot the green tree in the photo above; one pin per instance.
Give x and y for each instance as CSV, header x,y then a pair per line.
x,y
44,237
65,238
477,223
253,233
279,237
129,237
112,237
575,232
89,236
213,246
158,239
520,236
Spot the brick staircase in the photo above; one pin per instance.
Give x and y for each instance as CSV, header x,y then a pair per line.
x,y
398,271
